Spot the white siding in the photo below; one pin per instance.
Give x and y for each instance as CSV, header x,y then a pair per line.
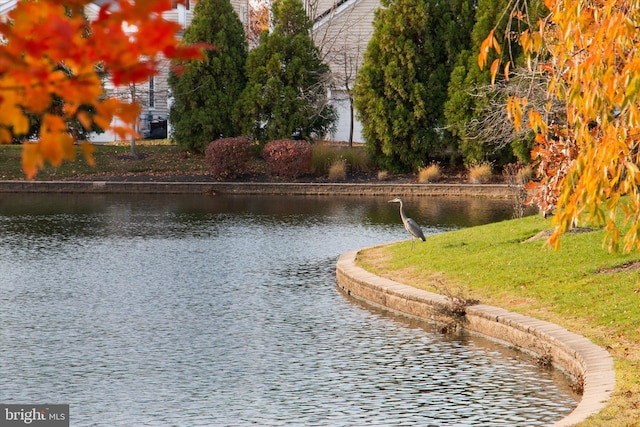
x,y
342,34
340,101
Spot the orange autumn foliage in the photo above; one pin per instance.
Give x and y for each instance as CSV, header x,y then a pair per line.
x,y
588,165
50,50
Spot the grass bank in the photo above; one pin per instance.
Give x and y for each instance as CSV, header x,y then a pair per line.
x,y
581,287
153,158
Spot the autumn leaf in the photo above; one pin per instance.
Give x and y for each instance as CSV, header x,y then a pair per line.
x,y
32,160
485,48
50,51
88,149
494,70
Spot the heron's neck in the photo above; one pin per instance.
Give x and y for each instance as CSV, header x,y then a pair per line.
x,y
402,215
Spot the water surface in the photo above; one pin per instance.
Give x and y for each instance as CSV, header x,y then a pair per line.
x,y
223,311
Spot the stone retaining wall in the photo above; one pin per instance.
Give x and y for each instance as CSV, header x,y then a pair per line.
x,y
329,189
575,355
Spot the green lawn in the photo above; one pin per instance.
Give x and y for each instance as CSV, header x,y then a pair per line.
x,y
579,287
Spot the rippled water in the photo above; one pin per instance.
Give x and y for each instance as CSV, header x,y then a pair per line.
x,y
223,311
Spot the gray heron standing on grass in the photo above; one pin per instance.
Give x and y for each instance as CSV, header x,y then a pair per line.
x,y
410,225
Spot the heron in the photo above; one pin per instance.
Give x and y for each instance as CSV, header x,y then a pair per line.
x,y
409,224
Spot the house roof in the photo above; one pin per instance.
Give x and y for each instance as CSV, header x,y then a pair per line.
x,y
6,6
342,30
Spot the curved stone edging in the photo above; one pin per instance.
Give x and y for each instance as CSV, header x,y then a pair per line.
x,y
269,188
570,352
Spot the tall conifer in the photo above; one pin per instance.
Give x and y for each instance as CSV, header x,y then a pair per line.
x,y
402,86
206,92
286,95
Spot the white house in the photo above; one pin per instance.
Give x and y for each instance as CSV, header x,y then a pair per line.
x,y
342,29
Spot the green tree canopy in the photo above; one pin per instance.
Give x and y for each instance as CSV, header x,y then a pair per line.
x,y
401,88
206,92
286,93
470,98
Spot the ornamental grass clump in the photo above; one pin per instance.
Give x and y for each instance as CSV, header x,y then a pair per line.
x,y
228,157
287,158
338,170
430,173
325,155
480,173
525,174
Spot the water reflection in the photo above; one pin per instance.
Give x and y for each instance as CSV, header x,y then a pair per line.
x,y
216,311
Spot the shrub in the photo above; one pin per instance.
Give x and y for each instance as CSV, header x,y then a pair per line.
x,y
430,173
287,158
227,157
480,173
338,170
383,175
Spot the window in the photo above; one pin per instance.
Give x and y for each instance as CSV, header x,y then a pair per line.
x,y
152,92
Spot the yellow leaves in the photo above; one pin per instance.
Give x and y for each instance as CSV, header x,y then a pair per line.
x,y
20,124
494,70
506,70
536,123
633,173
632,81
588,159
55,145
11,115
491,42
531,42
514,110
112,108
5,136
84,119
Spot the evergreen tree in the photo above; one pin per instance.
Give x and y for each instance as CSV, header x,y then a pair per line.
x,y
463,104
402,86
467,92
205,92
286,93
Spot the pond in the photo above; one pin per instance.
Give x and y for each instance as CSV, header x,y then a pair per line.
x,y
219,311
